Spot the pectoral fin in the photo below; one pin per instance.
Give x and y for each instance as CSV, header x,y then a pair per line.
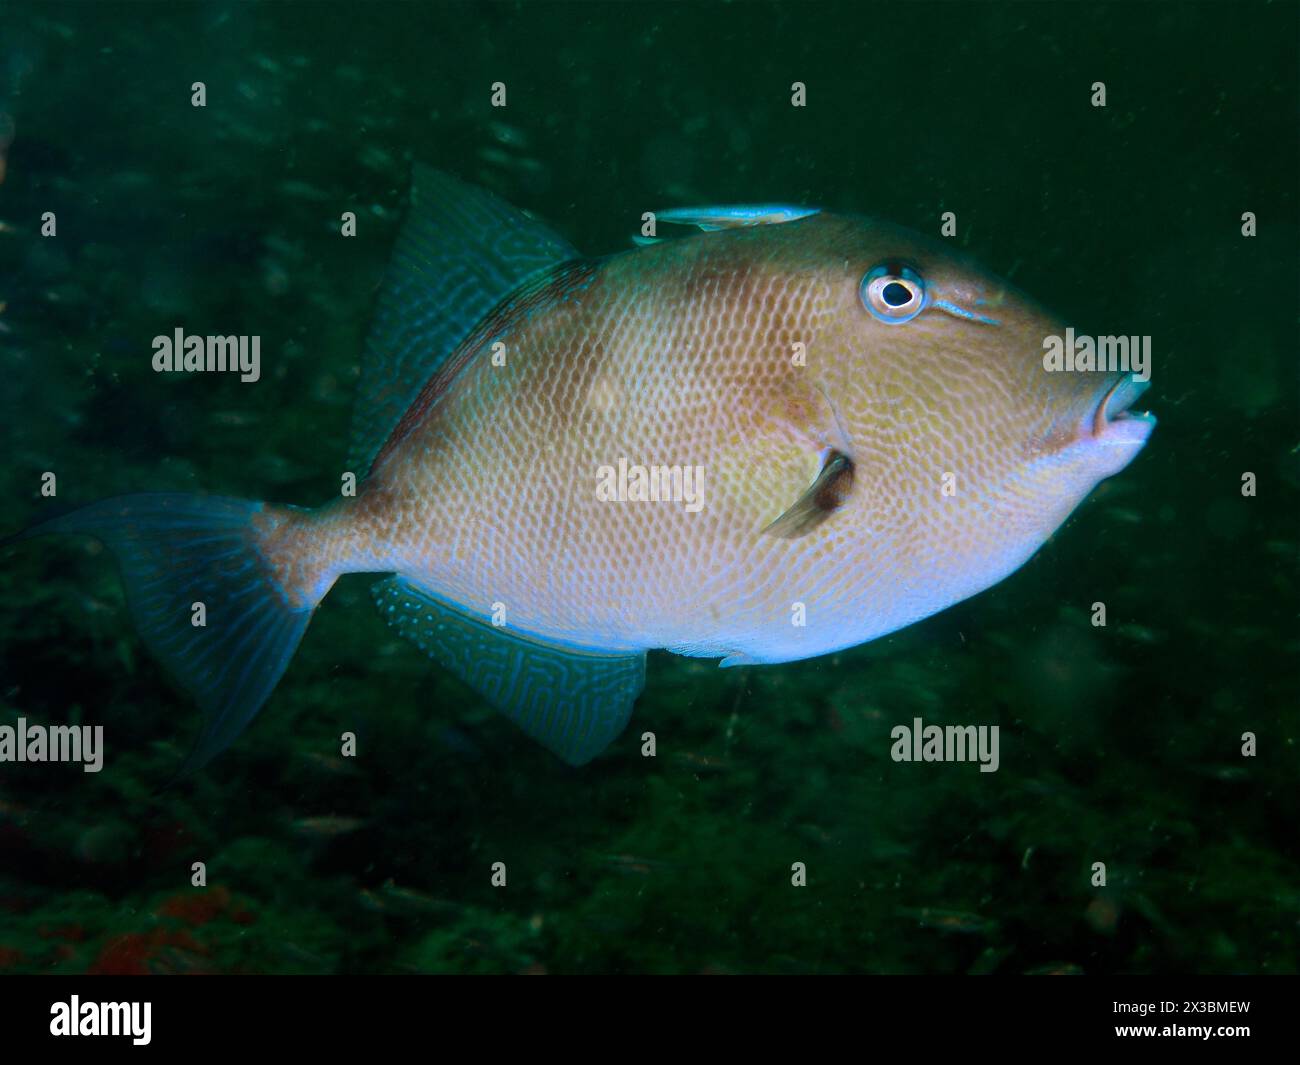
x,y
824,496
573,702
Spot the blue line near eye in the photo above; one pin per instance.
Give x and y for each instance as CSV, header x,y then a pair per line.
x,y
961,312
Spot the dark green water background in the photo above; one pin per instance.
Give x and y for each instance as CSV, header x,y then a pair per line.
x,y
1119,745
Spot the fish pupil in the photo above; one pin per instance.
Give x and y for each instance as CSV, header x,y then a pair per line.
x,y
896,294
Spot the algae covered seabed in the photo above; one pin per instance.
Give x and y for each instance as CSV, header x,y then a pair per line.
x,y
1119,744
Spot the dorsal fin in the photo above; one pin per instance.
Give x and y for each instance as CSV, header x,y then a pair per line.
x,y
461,250
734,216
545,290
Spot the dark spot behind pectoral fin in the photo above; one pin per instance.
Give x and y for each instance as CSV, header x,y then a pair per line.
x,y
824,496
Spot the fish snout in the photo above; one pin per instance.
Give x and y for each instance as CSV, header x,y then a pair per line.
x,y
1116,426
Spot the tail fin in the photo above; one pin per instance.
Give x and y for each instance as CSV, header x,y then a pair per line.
x,y
177,551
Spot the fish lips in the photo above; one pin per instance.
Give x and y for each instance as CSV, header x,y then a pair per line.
x,y
1114,424
1113,412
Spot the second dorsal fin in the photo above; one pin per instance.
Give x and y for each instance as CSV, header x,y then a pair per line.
x,y
461,250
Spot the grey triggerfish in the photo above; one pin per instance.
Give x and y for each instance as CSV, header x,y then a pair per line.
x,y
787,433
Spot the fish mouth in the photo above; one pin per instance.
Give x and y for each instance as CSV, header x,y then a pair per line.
x,y
1114,418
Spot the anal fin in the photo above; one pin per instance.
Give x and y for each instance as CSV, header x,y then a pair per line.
x,y
573,702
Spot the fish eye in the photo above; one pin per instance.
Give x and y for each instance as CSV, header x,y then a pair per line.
x,y
892,293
